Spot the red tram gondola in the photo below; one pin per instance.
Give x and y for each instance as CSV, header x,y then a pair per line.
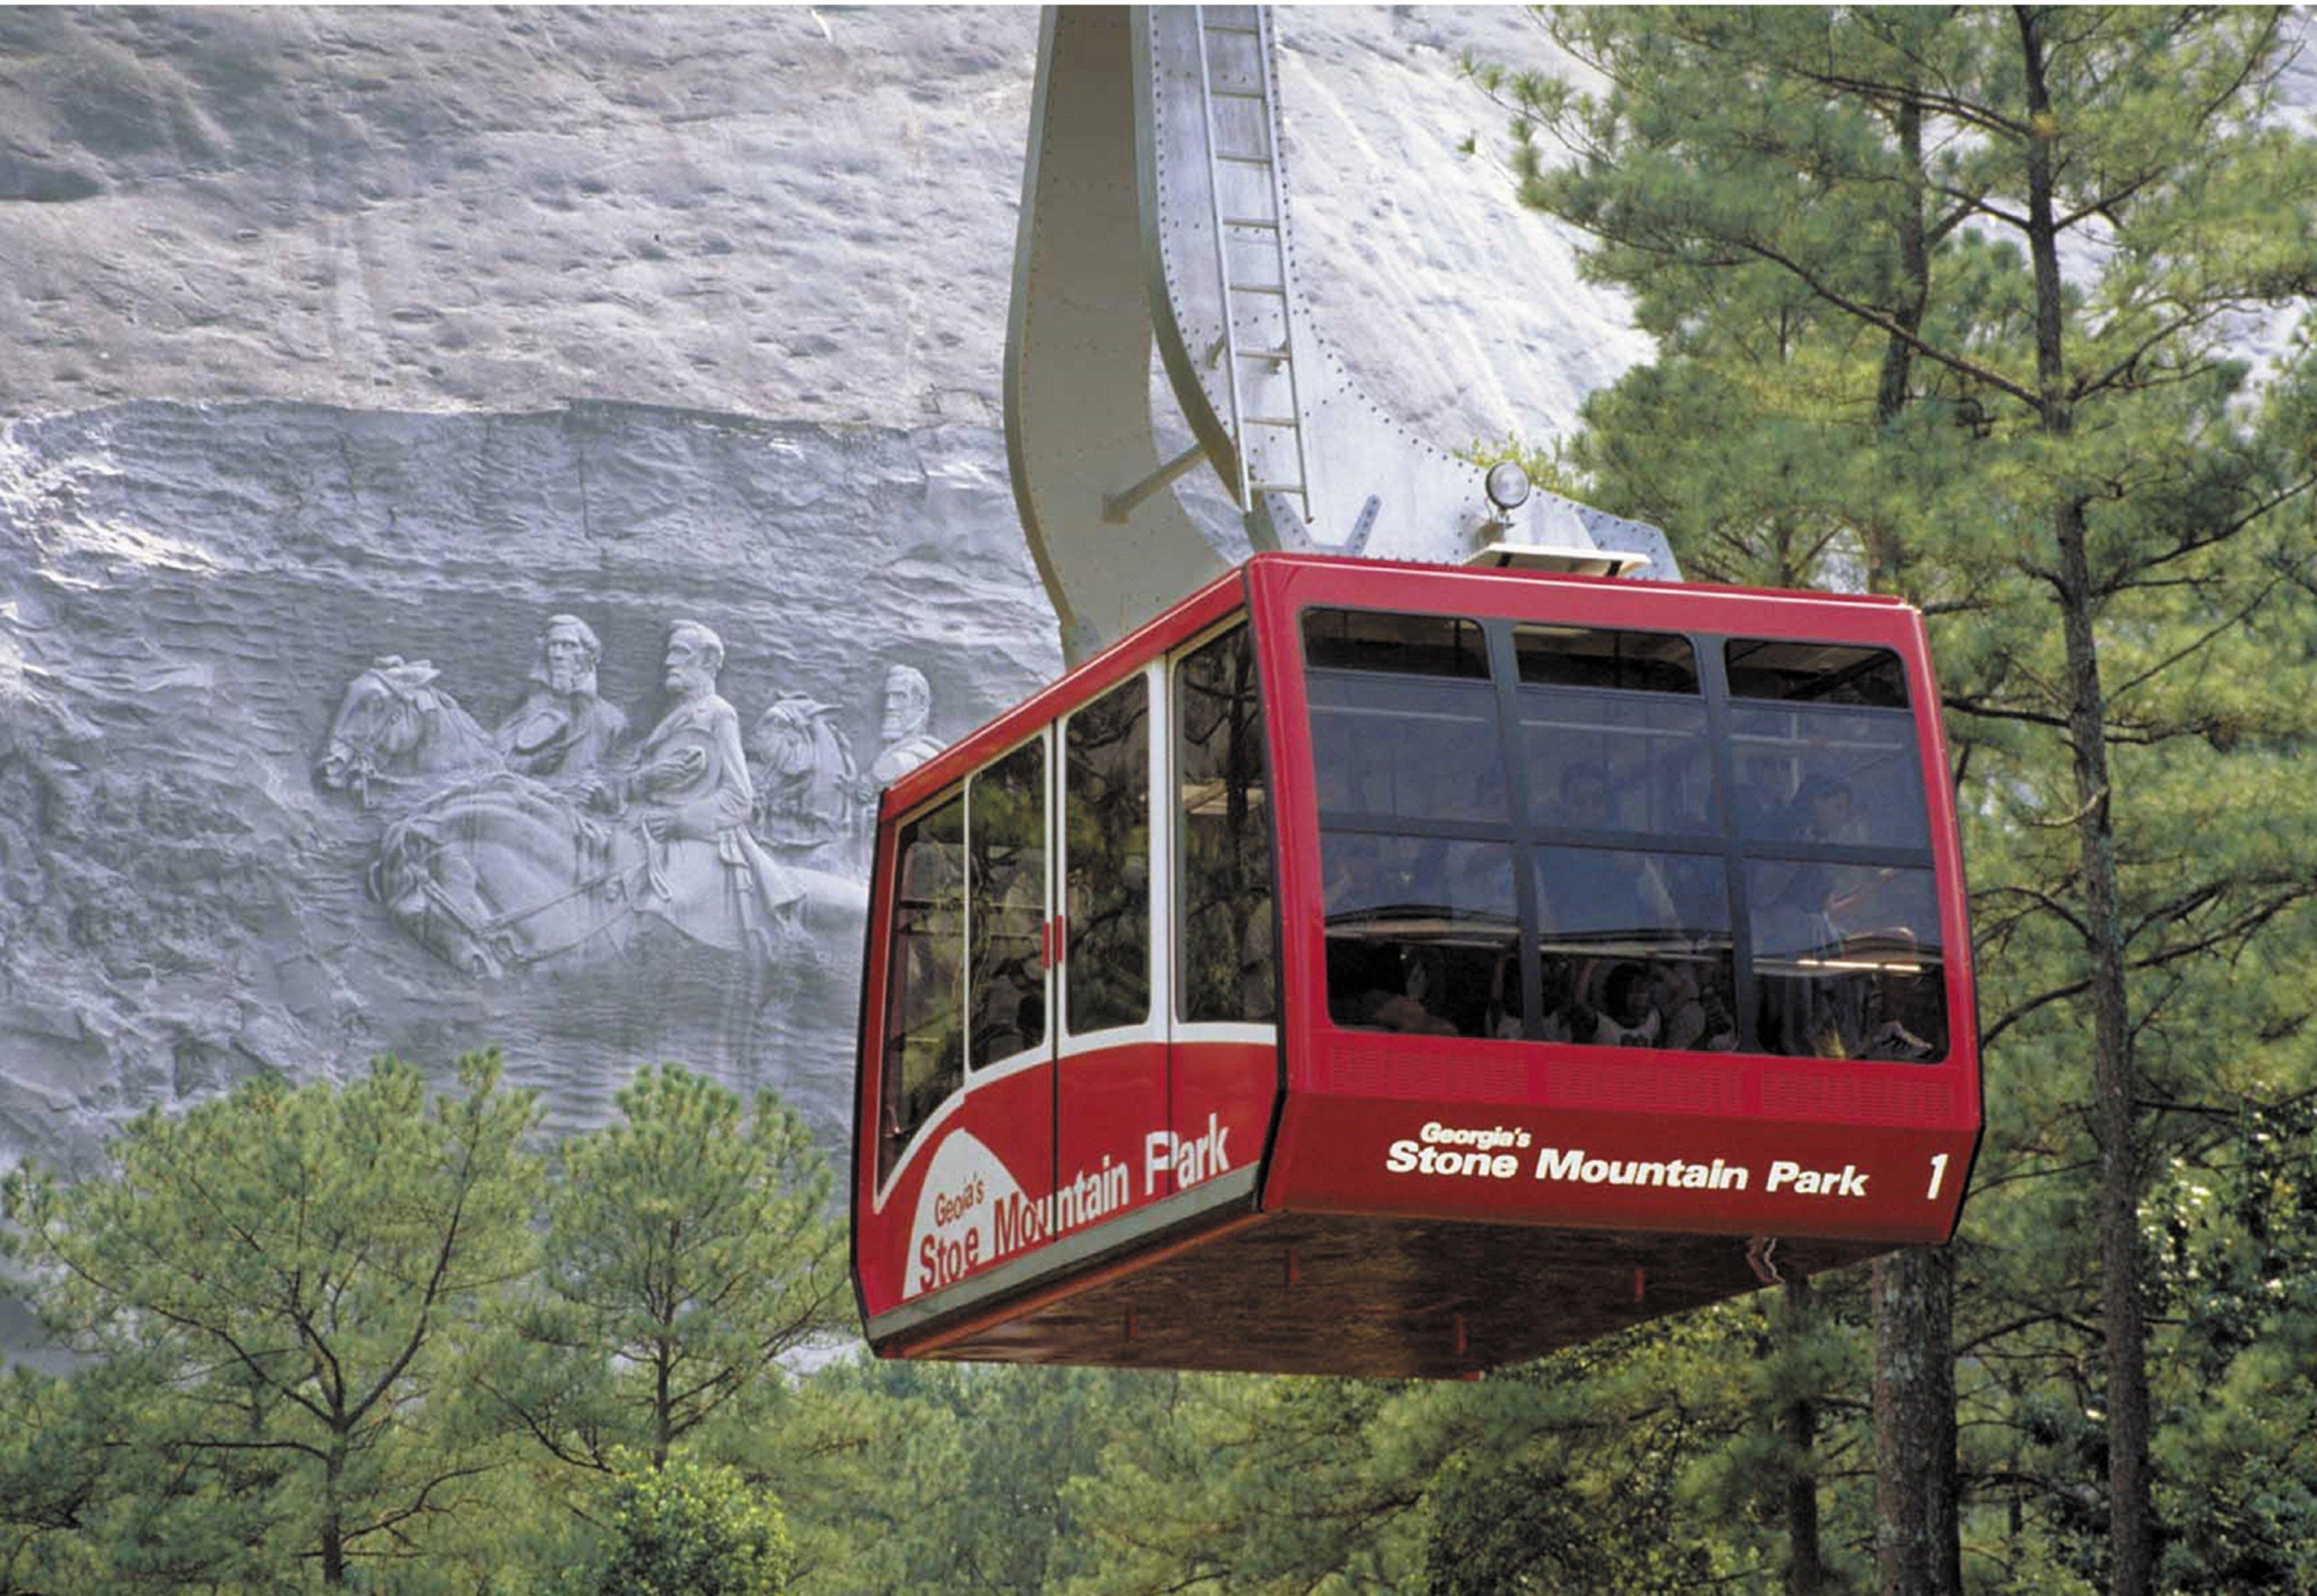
x,y
1403,970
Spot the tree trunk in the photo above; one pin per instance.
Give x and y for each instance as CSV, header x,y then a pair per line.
x,y
333,1534
663,1408
1919,1530
2131,1532
1805,1560
1918,1527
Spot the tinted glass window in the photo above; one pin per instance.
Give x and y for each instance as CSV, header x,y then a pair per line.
x,y
1635,948
1375,639
1106,800
925,1032
1828,774
1617,762
1223,830
1613,732
1651,799
1392,749
1584,657
1815,673
1006,976
1422,934
1403,718
1847,961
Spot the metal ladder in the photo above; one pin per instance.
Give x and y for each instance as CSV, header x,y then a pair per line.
x,y
1265,400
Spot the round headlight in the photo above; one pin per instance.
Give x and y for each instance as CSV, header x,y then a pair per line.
x,y
1508,486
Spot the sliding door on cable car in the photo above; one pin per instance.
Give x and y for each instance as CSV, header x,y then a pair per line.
x,y
968,1036
1072,1042
1111,1086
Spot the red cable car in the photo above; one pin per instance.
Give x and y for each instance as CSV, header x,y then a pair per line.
x,y
1403,970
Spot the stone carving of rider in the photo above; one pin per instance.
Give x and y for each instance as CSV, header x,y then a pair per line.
x,y
807,785
687,785
561,730
909,705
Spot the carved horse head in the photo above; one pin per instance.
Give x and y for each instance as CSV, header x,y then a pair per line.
x,y
395,724
804,770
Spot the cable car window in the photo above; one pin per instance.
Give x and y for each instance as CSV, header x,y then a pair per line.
x,y
1006,813
1381,640
1815,673
1847,960
1404,721
1223,830
924,1033
1614,732
1584,657
1106,802
1423,934
1636,948
1828,773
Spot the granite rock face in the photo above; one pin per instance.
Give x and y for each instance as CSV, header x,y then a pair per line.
x,y
800,213
183,901
337,336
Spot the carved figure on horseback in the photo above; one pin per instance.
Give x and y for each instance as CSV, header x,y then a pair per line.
x,y
396,728
494,869
809,808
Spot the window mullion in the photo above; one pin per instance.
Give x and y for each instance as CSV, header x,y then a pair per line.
x,y
1714,679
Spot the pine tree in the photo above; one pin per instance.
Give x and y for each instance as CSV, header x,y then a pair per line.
x,y
273,1289
1946,300
689,1245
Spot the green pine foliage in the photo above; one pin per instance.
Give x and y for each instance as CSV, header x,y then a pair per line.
x,y
373,1337
689,1246
278,1290
683,1528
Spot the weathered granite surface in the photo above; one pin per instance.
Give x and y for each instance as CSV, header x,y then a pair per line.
x,y
799,212
332,335
186,591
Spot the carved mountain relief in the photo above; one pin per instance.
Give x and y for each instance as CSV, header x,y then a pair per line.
x,y
323,735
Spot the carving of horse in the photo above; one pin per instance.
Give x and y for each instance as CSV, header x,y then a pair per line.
x,y
394,726
493,871
807,789
502,871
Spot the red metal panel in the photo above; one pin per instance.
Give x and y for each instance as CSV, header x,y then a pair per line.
x,y
1112,1108
1614,1164
978,1189
1368,1095
1222,1095
968,1193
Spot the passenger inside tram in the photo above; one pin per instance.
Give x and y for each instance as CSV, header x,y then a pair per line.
x,y
1601,889
1629,1018
1417,929
1694,1018
1822,811
1764,796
